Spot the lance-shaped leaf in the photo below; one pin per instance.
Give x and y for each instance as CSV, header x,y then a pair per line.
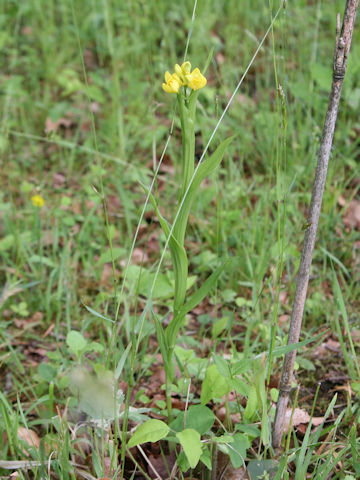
x,y
173,328
207,166
179,258
160,335
205,288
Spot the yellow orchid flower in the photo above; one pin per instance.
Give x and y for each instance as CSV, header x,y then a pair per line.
x,y
37,201
173,83
195,79
183,70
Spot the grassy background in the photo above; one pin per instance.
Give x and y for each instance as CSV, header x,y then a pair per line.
x,y
73,138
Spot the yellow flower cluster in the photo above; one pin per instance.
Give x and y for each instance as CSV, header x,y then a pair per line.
x,y
37,201
183,76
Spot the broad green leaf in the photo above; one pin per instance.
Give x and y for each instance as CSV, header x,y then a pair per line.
x,y
183,462
164,285
240,386
242,366
76,342
250,430
206,457
223,366
191,443
198,417
237,449
214,385
150,431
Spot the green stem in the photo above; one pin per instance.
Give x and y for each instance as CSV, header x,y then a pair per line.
x,y
188,147
168,398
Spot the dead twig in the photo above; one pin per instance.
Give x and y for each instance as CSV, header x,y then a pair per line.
x,y
342,48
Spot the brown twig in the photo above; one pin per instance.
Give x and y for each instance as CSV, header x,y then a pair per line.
x,y
342,48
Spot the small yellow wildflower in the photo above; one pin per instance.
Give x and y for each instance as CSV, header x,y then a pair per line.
x,y
173,83
183,70
195,79
37,201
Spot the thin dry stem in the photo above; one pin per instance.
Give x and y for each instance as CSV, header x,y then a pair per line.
x,y
342,48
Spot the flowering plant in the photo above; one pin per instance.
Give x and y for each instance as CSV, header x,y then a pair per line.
x,y
183,76
191,177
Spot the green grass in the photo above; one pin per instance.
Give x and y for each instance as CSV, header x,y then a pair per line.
x,y
113,123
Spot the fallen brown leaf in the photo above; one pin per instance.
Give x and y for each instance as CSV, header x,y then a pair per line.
x,y
161,465
51,126
351,217
28,436
226,471
300,417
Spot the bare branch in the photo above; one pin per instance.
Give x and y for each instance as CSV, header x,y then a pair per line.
x,y
342,48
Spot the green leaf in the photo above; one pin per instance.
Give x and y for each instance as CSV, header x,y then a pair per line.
x,y
183,462
250,430
224,439
110,255
257,468
214,385
150,431
219,326
191,443
294,346
94,347
97,314
205,288
42,260
237,449
206,457
240,386
143,280
207,166
223,366
76,342
178,255
47,372
121,363
198,417
251,404
164,348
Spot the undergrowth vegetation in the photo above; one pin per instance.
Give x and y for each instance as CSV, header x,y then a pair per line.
x,y
121,357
